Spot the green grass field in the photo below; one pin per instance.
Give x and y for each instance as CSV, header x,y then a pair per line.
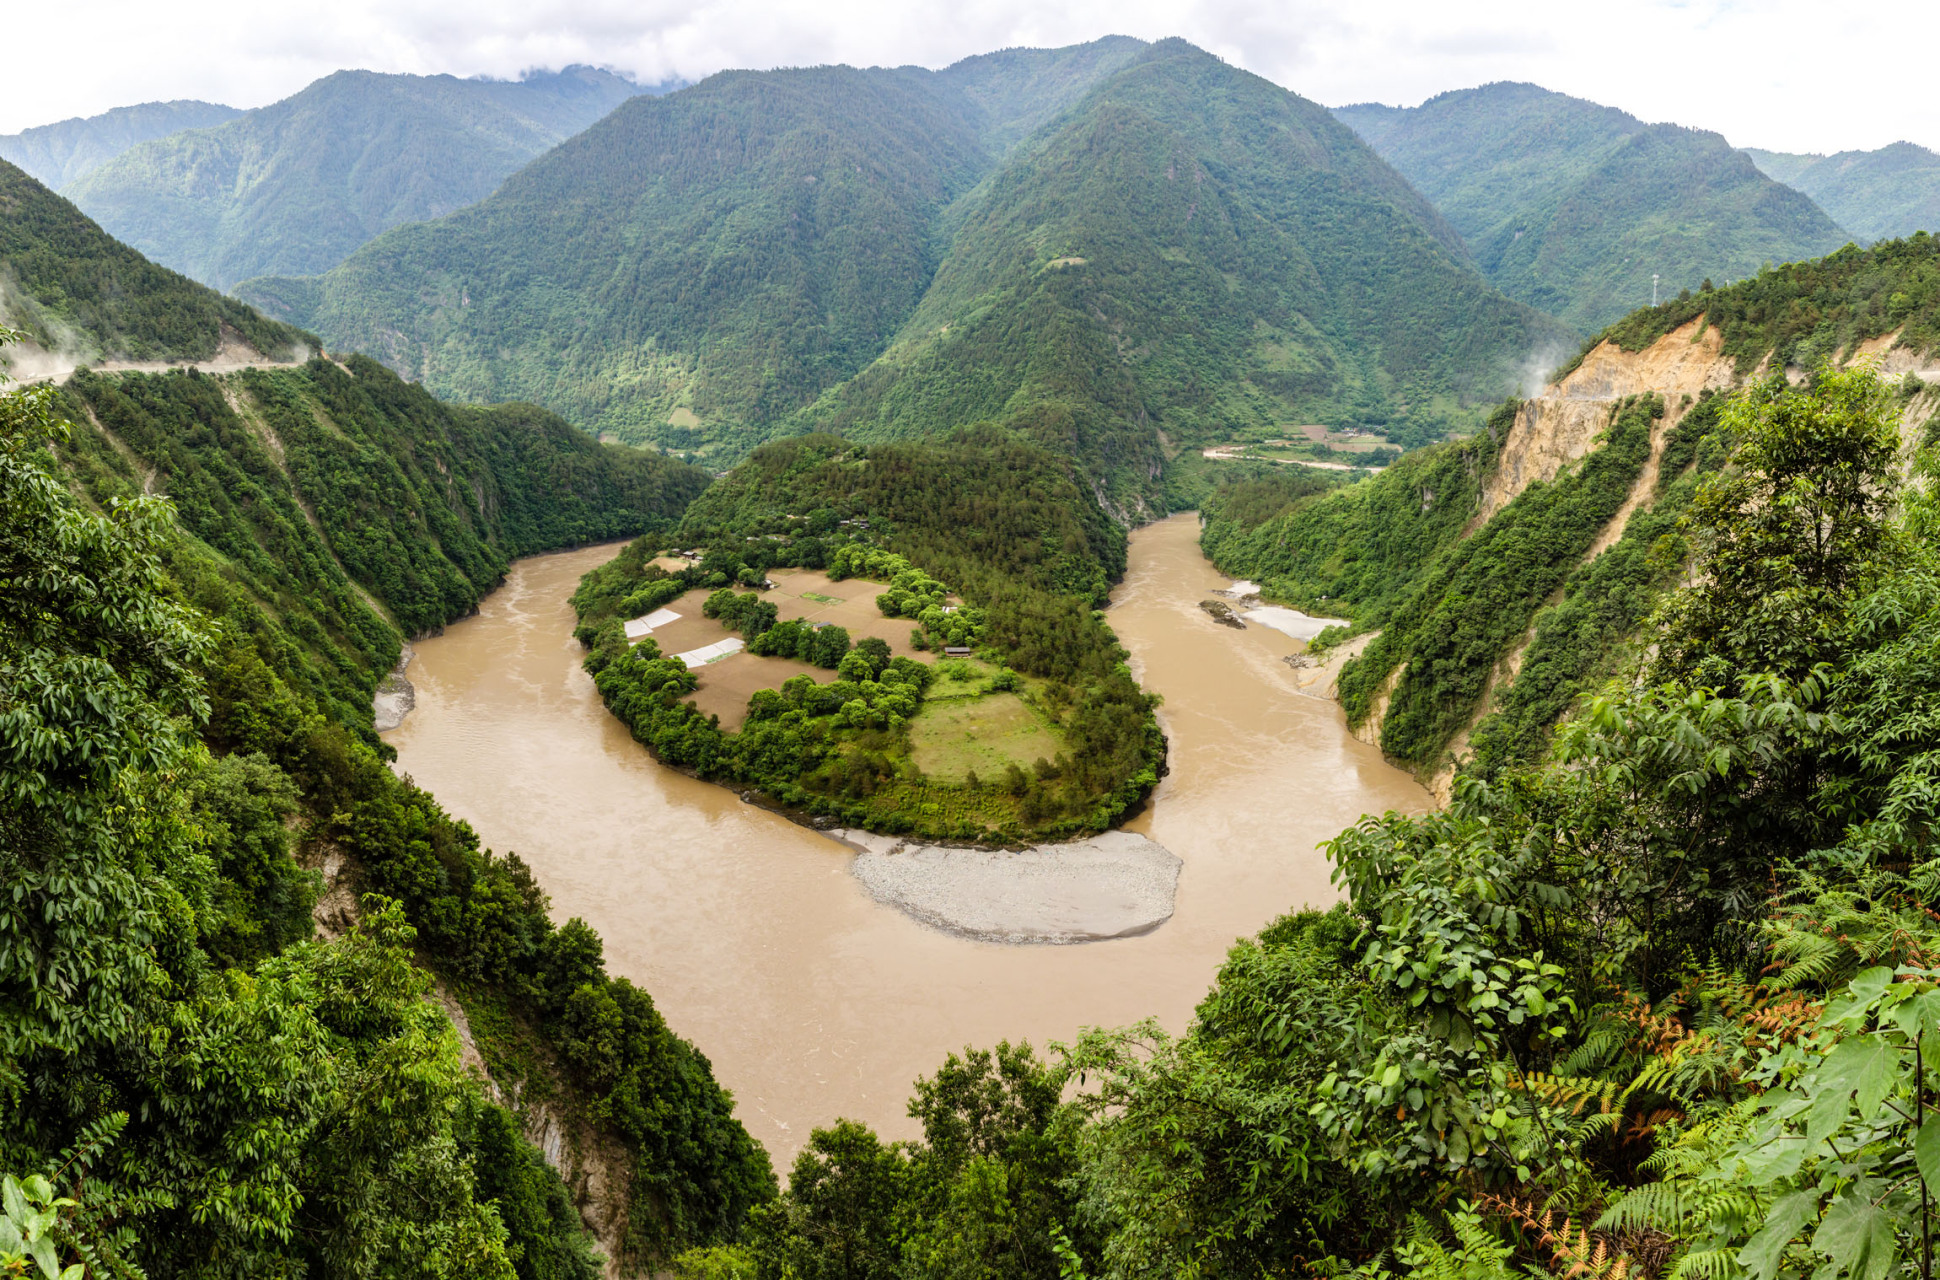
x,y
949,739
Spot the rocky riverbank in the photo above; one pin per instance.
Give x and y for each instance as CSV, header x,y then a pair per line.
x,y
395,695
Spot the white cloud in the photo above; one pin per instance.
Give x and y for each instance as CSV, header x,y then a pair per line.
x,y
1786,74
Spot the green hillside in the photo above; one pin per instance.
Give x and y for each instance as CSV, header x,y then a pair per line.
x,y
1881,194
57,154
1197,252
297,186
713,259
72,286
1181,248
1572,207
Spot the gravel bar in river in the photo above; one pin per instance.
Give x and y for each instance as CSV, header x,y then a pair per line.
x,y
1114,885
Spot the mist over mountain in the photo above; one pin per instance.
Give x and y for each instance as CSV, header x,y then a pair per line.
x,y
296,186
1891,191
57,154
1572,207
1180,245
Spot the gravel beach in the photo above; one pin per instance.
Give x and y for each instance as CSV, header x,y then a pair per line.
x,y
1114,885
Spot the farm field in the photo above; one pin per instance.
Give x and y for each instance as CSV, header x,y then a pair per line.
x,y
727,684
952,737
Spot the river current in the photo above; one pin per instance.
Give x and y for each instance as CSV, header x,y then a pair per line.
x,y
813,1001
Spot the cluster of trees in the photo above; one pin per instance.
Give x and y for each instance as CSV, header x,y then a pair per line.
x,y
749,614
1663,1002
179,1055
825,646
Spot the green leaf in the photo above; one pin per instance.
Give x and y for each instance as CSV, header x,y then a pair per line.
x,y
1857,1235
1763,1253
1926,1151
1876,1070
12,1199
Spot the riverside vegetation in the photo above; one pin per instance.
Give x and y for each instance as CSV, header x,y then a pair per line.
x,y
1657,1002
1655,994
1001,522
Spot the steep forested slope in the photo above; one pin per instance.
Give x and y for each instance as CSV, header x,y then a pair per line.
x,y
1805,313
70,285
296,186
1891,191
309,507
59,153
1573,207
1655,1004
1193,251
325,487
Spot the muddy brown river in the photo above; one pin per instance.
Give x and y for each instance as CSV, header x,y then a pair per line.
x,y
813,1001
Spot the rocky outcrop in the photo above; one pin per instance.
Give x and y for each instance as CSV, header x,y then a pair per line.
x,y
1222,613
1562,424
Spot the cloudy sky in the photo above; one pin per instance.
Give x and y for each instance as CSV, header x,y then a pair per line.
x,y
1800,75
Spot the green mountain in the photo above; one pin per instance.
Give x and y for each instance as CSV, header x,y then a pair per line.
x,y
1180,249
75,289
1893,191
297,186
1194,251
1573,207
60,153
715,257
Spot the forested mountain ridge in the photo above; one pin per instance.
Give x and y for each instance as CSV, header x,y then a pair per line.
x,y
712,257
1507,574
1573,207
205,578
76,290
57,154
1888,192
1132,265
295,187
1192,251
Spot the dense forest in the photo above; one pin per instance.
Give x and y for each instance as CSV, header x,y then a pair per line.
x,y
1195,250
71,285
1102,247
186,694
297,186
1573,207
1005,526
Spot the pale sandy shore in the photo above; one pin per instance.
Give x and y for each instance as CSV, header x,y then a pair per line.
x,y
1114,885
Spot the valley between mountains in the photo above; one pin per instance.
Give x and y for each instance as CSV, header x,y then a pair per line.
x,y
1069,665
